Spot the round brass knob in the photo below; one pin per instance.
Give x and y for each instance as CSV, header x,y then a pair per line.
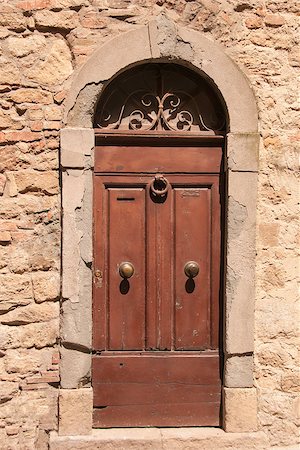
x,y
191,269
126,270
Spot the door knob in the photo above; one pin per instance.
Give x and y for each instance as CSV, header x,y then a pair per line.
x,y
126,270
191,269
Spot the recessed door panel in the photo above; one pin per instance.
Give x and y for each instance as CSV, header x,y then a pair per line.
x,y
192,244
126,243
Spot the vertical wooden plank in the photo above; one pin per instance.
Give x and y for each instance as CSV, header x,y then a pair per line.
x,y
99,269
165,268
192,243
159,272
152,317
216,264
126,242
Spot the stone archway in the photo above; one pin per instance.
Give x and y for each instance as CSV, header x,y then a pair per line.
x,y
160,40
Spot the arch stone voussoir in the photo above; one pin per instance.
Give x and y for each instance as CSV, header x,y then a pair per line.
x,y
161,40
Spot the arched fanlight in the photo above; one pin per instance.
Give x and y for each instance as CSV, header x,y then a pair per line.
x,y
161,97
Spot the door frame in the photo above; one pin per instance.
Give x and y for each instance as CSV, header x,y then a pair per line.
x,y
76,158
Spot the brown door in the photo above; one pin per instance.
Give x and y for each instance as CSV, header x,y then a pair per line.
x,y
156,286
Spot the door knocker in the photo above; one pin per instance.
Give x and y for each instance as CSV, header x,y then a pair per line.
x,y
159,186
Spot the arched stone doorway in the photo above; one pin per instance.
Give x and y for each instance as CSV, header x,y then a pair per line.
x,y
158,191
161,41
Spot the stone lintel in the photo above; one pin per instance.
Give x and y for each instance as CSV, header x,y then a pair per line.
x,y
238,371
75,411
240,409
243,151
77,145
241,251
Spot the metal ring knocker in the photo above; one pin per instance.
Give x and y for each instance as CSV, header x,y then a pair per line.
x,y
159,186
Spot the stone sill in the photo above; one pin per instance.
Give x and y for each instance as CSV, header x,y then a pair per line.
x,y
160,439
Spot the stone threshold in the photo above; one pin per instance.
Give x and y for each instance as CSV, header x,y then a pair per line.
x,y
160,439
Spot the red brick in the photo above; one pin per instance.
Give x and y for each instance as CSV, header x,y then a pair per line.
x,y
36,125
5,237
91,20
46,377
60,96
28,5
253,22
273,20
55,358
34,386
15,136
8,226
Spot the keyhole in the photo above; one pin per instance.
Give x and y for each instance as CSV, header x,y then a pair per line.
x,y
124,287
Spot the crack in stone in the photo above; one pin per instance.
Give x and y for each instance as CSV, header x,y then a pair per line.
x,y
84,91
75,346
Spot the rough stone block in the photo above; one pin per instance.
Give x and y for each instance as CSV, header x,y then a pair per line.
x,y
32,313
2,183
64,20
240,409
239,371
76,147
29,180
75,411
243,151
15,291
30,95
241,251
55,68
46,286
22,47
38,335
75,368
76,320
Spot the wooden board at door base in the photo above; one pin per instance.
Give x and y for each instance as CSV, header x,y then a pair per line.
x,y
150,390
156,334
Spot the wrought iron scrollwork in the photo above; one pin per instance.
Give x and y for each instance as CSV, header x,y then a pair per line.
x,y
160,97
168,112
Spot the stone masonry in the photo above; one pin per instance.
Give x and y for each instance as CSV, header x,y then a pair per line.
x,y
42,44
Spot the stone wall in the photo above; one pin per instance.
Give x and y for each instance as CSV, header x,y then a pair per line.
x,y
42,43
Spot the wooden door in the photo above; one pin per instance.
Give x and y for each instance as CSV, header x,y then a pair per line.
x,y
156,355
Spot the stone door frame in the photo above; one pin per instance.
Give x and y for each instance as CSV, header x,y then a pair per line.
x,y
162,41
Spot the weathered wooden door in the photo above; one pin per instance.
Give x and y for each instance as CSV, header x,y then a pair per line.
x,y
156,283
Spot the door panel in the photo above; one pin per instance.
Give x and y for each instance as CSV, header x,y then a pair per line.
x,y
126,242
135,159
192,243
156,360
